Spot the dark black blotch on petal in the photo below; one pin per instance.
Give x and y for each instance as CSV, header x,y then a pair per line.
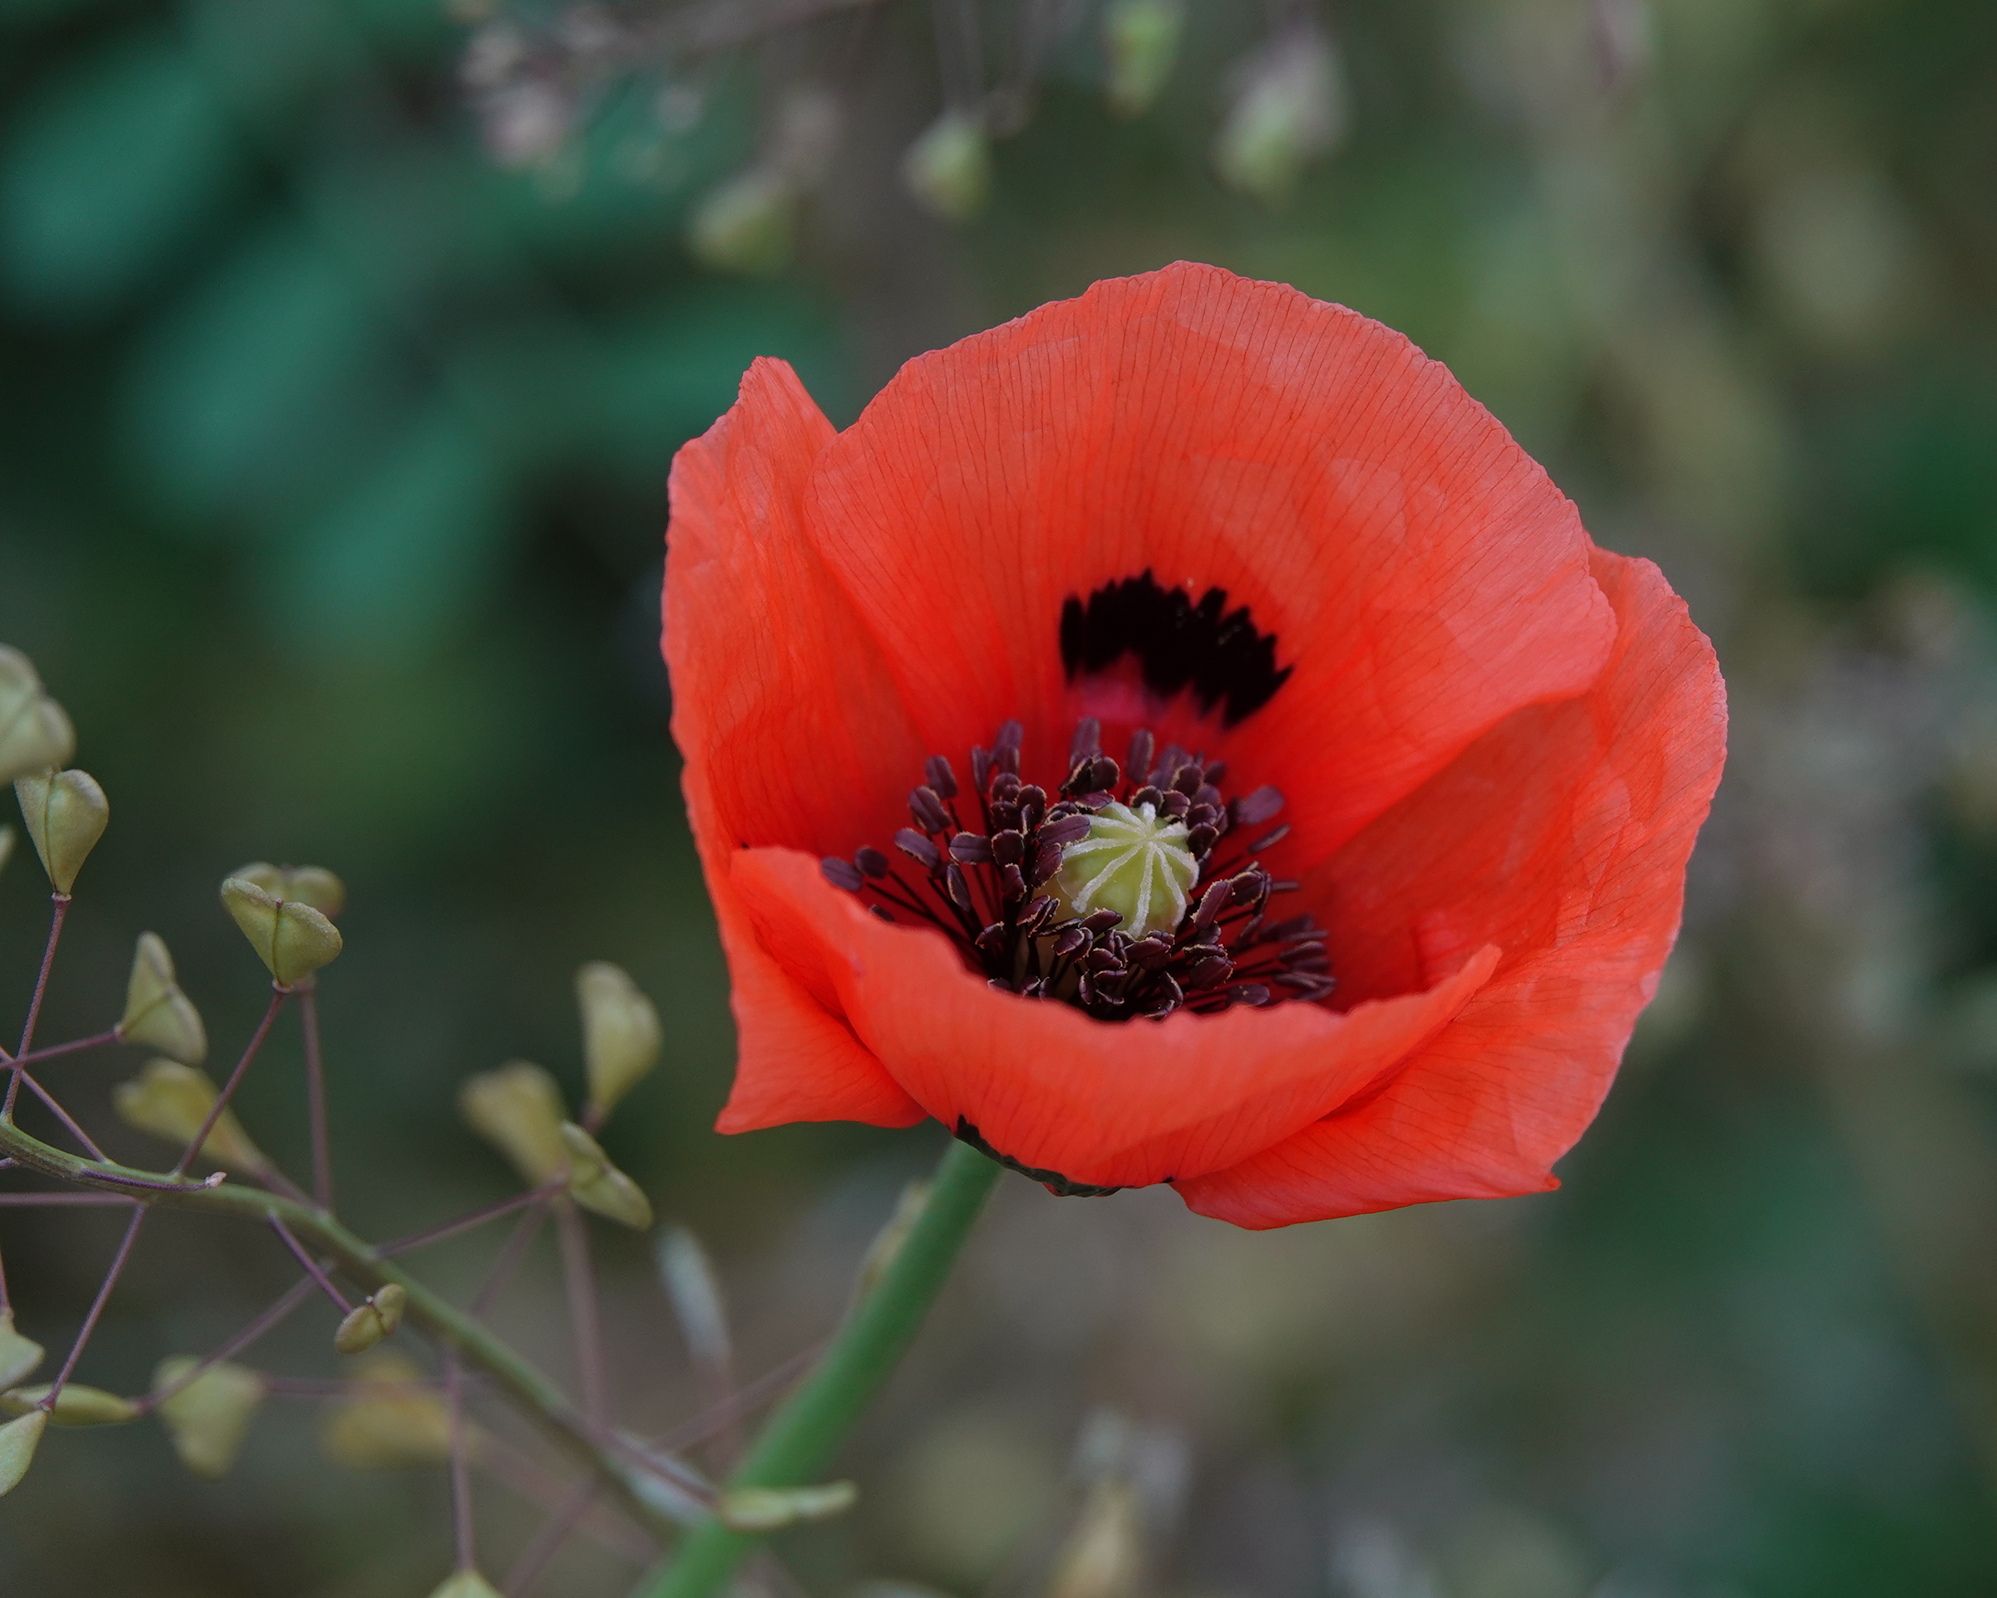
x,y
1178,643
1053,1181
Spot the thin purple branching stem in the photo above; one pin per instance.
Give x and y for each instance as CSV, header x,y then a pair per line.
x,y
717,1417
309,1265
548,1541
264,1323
461,1482
221,1104
278,1182
58,913
529,1480
579,1283
69,1123
660,1466
508,1259
52,1051
465,1223
83,1334
315,1098
501,1271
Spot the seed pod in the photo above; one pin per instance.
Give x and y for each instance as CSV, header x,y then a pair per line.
x,y
18,1355
35,733
746,226
366,1324
621,1035
157,1013
949,168
1141,42
207,1419
75,1405
66,813
1290,110
388,1421
599,1186
313,885
1104,1554
291,938
466,1584
518,1110
170,1100
18,1442
758,1509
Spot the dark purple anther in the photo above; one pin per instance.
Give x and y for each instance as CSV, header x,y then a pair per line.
x,y
1046,857
1212,902
1142,747
1209,969
971,848
1064,830
1252,809
842,873
918,848
926,805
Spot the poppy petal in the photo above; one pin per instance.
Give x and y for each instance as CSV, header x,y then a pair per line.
x,y
1421,576
1052,1089
1564,834
790,731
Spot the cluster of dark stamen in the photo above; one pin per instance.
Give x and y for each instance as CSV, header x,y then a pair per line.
x,y
987,885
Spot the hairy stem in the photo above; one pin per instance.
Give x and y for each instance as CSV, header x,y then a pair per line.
x,y
532,1393
803,1434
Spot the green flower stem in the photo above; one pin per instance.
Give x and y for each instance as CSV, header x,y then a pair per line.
x,y
537,1398
801,1438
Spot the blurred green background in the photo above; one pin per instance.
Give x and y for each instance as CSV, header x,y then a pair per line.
x,y
346,344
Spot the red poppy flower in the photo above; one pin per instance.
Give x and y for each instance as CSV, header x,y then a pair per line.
x,y
990,703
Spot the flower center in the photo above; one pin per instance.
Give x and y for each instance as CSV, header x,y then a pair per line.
x,y
1136,862
1126,893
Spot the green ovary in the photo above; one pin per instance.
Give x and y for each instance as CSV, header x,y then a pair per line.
x,y
1134,862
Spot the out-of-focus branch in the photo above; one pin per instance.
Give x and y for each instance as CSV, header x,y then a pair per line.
x,y
537,1398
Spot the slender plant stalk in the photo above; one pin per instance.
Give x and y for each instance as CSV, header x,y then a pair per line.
x,y
537,1398
58,913
315,1098
802,1436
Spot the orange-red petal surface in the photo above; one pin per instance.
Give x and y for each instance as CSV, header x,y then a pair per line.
x,y
789,727
1496,743
1054,1089
1421,574
1563,835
